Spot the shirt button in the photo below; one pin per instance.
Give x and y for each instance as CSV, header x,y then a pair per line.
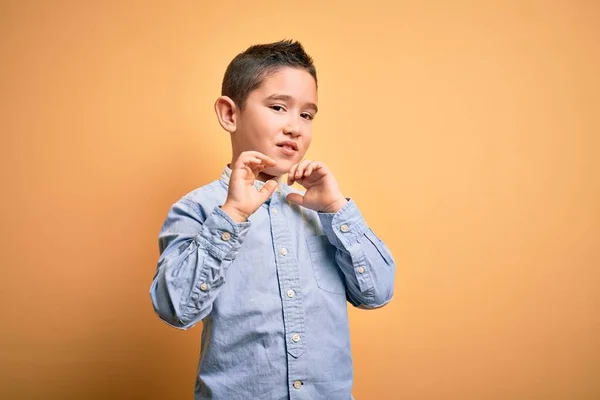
x,y
344,228
283,251
204,287
226,236
297,385
361,270
275,212
291,293
295,338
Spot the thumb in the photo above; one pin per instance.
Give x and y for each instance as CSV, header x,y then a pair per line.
x,y
268,189
295,198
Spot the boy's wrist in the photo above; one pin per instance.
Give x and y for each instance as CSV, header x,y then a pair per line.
x,y
336,206
234,213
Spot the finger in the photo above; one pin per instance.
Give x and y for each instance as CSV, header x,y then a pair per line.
x,y
268,189
257,169
246,161
291,174
251,162
295,198
257,154
300,170
252,168
301,167
313,166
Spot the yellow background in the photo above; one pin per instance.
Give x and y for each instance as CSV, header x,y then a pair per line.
x,y
466,131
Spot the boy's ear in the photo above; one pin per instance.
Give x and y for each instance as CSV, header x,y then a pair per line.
x,y
226,113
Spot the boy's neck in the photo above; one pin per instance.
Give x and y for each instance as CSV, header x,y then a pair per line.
x,y
264,177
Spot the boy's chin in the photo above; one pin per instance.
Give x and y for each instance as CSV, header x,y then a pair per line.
x,y
275,171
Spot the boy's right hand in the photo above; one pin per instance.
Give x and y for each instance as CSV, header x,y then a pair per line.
x,y
243,199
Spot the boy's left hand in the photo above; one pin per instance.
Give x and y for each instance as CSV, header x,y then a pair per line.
x,y
322,192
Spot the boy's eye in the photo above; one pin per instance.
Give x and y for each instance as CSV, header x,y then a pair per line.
x,y
307,116
277,108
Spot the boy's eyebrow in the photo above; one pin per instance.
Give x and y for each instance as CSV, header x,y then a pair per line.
x,y
285,97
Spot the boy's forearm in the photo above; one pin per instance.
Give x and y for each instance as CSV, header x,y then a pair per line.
x,y
367,264
200,253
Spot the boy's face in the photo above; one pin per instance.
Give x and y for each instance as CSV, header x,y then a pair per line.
x,y
277,119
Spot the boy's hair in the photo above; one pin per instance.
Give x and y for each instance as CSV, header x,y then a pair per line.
x,y
249,69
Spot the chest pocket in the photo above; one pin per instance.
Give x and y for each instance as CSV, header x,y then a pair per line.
x,y
322,256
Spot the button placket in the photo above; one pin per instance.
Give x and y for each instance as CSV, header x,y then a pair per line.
x,y
288,277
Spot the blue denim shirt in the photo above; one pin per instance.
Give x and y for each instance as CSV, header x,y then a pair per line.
x,y
271,292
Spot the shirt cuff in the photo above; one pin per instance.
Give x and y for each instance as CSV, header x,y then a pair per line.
x,y
221,235
345,227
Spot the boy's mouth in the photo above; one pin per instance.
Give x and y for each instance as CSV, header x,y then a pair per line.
x,y
287,149
288,145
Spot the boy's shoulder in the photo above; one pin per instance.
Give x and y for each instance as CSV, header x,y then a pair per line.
x,y
206,195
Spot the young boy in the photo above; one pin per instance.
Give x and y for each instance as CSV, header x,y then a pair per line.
x,y
266,268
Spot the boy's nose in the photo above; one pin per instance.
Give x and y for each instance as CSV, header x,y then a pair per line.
x,y
292,128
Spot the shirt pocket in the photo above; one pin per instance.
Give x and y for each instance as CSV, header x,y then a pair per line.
x,y
322,256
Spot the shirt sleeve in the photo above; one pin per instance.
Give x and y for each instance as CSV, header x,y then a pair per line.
x,y
365,261
194,257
